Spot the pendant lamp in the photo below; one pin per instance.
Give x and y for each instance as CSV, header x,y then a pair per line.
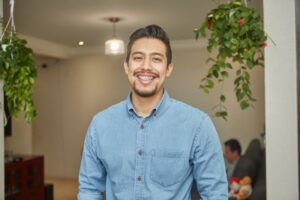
x,y
114,46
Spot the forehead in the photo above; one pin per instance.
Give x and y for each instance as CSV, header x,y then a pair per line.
x,y
227,149
148,46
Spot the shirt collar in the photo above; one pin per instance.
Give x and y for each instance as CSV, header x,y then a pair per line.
x,y
158,109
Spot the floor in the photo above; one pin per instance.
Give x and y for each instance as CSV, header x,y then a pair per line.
x,y
64,188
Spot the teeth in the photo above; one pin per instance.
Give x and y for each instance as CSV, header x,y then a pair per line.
x,y
145,78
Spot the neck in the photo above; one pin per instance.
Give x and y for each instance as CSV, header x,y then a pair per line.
x,y
144,105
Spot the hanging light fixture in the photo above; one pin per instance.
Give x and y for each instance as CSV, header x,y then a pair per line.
x,y
114,46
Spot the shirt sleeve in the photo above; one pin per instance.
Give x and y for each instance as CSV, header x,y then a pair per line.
x,y
209,166
92,174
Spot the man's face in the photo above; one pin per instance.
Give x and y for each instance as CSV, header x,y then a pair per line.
x,y
230,155
147,67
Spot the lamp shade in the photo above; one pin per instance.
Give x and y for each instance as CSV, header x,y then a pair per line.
x,y
114,47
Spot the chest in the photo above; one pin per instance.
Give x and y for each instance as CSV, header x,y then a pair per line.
x,y
126,139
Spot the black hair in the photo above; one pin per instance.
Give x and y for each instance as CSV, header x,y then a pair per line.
x,y
234,145
151,31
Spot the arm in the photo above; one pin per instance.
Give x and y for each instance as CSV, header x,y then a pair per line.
x,y
92,175
209,168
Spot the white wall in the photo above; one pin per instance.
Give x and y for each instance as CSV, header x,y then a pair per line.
x,y
68,93
281,108
20,142
190,68
281,101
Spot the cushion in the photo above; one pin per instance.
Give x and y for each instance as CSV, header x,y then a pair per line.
x,y
249,163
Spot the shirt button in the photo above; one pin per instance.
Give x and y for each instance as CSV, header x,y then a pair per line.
x,y
142,126
140,152
139,178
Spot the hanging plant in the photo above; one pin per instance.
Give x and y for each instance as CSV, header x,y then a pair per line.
x,y
236,32
18,71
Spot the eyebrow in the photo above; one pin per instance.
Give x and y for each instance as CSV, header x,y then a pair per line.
x,y
137,52
155,53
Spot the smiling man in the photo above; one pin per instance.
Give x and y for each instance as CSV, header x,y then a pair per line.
x,y
151,146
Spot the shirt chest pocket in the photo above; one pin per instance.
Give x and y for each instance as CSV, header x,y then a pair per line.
x,y
168,168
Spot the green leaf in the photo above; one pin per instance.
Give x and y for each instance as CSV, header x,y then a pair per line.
x,y
222,114
210,83
215,73
236,42
240,95
225,74
222,98
250,64
210,60
247,75
237,80
200,31
204,89
18,72
244,104
228,65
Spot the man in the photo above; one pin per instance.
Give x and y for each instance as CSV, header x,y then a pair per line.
x,y
151,146
232,155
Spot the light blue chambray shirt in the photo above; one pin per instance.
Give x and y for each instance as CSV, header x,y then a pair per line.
x,y
152,158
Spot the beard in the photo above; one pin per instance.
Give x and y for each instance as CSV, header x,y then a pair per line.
x,y
147,91
144,93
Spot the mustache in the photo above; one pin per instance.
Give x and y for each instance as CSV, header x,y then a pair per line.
x,y
147,72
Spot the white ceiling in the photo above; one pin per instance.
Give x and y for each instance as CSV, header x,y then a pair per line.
x,y
69,21
54,27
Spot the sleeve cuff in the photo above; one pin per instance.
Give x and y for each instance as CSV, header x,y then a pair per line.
x,y
90,196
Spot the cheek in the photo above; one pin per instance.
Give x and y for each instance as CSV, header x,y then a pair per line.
x,y
161,70
132,70
227,155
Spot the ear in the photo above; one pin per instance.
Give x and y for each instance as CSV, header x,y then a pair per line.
x,y
169,69
125,65
236,154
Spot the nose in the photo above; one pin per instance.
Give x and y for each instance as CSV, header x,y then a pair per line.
x,y
147,63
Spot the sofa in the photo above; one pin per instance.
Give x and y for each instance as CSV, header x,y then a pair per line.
x,y
253,163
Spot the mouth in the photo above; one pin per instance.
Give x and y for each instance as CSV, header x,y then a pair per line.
x,y
146,78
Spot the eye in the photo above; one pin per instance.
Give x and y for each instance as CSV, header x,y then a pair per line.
x,y
157,59
137,58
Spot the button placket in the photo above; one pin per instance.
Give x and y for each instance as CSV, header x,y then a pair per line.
x,y
140,159
142,126
140,152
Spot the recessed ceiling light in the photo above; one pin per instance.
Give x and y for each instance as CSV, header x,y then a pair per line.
x,y
81,43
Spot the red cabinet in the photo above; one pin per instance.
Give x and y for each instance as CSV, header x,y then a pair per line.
x,y
24,178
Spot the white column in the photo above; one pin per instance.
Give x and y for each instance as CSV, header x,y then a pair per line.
x,y
281,100
1,128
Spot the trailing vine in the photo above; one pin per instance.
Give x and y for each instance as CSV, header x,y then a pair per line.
x,y
236,31
18,71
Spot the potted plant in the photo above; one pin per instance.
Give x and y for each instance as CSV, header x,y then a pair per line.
x,y
236,32
18,71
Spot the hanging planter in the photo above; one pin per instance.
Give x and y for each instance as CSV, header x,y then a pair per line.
x,y
17,70
236,32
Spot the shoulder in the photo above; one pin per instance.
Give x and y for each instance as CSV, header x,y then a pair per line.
x,y
195,117
110,113
189,110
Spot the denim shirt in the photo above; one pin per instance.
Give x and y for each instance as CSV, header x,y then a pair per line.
x,y
153,158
